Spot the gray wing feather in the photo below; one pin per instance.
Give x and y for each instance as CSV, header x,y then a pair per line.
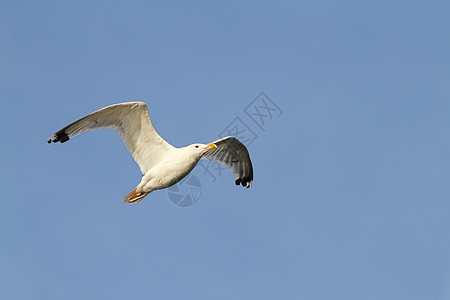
x,y
231,153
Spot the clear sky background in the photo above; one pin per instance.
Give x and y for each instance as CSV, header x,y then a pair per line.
x,y
351,197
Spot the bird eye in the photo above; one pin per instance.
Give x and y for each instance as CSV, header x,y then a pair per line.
x,y
196,146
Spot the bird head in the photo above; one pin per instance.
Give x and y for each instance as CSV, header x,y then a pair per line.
x,y
200,149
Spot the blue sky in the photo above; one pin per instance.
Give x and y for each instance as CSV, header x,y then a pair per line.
x,y
351,196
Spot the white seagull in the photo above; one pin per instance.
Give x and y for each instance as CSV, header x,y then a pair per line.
x,y
162,165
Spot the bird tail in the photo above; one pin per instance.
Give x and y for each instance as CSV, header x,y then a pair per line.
x,y
134,197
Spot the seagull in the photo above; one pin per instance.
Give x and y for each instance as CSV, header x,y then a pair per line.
x,y
162,165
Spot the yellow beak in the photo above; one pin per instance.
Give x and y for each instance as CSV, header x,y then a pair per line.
x,y
211,146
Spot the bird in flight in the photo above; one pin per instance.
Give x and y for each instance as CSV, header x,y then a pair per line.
x,y
162,165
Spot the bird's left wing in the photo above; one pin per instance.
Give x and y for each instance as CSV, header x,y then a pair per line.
x,y
132,122
231,153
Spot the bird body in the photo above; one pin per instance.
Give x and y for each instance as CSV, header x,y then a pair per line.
x,y
161,164
171,169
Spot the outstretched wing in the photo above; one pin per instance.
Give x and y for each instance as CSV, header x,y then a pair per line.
x,y
231,153
132,122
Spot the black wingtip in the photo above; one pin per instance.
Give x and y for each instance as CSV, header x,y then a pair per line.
x,y
245,182
60,136
64,138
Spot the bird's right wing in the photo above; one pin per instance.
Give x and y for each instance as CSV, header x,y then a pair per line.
x,y
231,153
132,122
